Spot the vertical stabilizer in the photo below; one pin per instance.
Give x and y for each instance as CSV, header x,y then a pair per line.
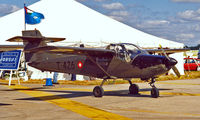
x,y
33,39
31,33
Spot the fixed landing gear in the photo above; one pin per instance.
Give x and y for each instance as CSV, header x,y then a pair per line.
x,y
154,90
98,90
133,88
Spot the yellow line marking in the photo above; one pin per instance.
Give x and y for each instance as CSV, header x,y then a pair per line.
x,y
168,113
173,93
181,94
177,83
80,108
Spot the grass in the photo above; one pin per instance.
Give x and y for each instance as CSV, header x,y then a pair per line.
x,y
188,75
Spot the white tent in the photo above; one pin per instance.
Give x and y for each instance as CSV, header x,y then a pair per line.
x,y
78,24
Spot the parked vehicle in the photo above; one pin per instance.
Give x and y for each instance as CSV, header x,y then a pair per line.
x,y
192,64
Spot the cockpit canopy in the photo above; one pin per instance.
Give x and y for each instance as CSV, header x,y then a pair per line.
x,y
125,50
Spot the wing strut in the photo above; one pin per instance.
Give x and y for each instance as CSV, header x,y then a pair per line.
x,y
99,66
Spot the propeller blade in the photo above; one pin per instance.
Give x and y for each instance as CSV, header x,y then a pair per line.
x,y
174,68
176,71
164,52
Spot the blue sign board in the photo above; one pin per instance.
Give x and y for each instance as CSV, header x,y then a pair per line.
x,y
10,60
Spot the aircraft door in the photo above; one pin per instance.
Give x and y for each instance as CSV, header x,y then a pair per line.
x,y
122,53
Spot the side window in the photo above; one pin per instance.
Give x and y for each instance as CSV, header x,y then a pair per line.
x,y
191,61
185,61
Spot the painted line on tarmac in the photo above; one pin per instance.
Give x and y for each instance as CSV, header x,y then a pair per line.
x,y
158,112
77,107
180,94
167,83
173,93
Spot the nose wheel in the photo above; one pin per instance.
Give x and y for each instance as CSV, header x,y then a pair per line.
x,y
154,90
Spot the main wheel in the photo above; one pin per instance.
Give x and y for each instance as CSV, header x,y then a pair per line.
x,y
154,92
98,91
134,89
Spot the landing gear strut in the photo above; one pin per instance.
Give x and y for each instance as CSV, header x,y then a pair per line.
x,y
98,90
154,90
133,88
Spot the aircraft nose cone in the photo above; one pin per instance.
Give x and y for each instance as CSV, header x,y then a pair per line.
x,y
170,62
173,61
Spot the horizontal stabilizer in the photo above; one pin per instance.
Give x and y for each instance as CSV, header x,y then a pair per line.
x,y
34,39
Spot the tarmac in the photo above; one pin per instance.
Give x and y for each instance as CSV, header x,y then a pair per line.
x,y
179,100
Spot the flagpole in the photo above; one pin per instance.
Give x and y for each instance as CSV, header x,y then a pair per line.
x,y
24,17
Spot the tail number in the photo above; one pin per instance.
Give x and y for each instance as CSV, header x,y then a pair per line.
x,y
69,65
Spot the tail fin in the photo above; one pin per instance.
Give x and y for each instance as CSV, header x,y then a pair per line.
x,y
33,39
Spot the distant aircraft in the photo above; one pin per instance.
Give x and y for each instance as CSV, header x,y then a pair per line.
x,y
122,60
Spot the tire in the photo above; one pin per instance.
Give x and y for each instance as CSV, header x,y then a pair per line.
x,y
98,91
154,92
134,89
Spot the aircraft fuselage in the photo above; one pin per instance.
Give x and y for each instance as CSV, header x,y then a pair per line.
x,y
143,66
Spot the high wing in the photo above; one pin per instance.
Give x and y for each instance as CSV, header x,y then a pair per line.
x,y
73,50
168,51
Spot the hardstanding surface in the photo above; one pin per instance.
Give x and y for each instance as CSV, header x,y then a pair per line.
x,y
178,100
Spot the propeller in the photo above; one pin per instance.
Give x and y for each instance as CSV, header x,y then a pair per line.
x,y
174,68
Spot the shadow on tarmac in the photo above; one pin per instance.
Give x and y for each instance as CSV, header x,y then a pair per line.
x,y
75,94
3,104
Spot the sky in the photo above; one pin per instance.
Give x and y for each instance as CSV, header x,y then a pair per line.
x,y
176,20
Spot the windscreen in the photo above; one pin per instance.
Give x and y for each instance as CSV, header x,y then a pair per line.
x,y
126,51
133,50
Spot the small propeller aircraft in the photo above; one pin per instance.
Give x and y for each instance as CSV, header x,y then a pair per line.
x,y
122,60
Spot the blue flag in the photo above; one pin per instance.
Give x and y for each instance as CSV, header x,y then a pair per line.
x,y
32,17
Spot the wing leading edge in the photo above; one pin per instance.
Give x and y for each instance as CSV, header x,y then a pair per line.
x,y
168,51
73,50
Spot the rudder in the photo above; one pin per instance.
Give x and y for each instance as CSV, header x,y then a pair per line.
x,y
33,39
